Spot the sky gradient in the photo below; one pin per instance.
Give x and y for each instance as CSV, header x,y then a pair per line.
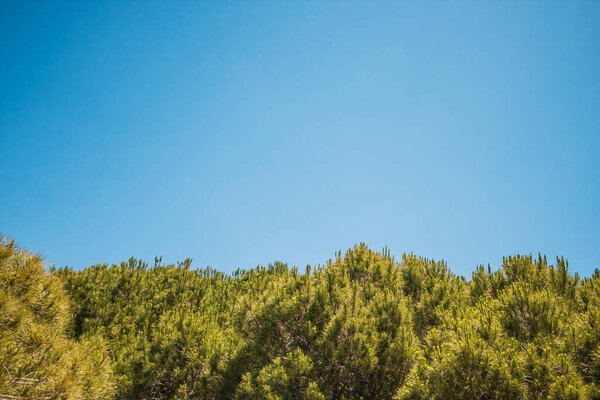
x,y
239,133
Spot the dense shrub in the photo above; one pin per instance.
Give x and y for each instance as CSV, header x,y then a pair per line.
x,y
360,326
37,360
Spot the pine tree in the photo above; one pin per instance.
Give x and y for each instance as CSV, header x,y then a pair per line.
x,y
37,360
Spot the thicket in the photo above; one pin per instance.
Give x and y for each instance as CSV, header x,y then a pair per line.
x,y
37,358
360,326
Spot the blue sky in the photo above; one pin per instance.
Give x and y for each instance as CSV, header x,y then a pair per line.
x,y
239,133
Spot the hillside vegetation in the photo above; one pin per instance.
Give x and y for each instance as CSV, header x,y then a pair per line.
x,y
361,326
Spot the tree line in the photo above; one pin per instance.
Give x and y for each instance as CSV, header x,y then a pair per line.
x,y
362,325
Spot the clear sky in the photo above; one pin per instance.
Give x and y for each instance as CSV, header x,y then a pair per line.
x,y
239,133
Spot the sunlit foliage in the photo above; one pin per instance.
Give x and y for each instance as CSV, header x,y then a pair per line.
x,y
362,325
37,359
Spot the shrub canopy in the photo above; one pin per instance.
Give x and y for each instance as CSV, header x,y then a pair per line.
x,y
361,326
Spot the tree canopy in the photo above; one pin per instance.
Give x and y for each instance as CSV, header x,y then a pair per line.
x,y
38,359
362,325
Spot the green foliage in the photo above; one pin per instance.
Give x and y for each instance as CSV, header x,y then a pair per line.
x,y
287,377
527,334
37,360
360,326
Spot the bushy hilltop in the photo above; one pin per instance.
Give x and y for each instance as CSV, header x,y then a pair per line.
x,y
360,326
